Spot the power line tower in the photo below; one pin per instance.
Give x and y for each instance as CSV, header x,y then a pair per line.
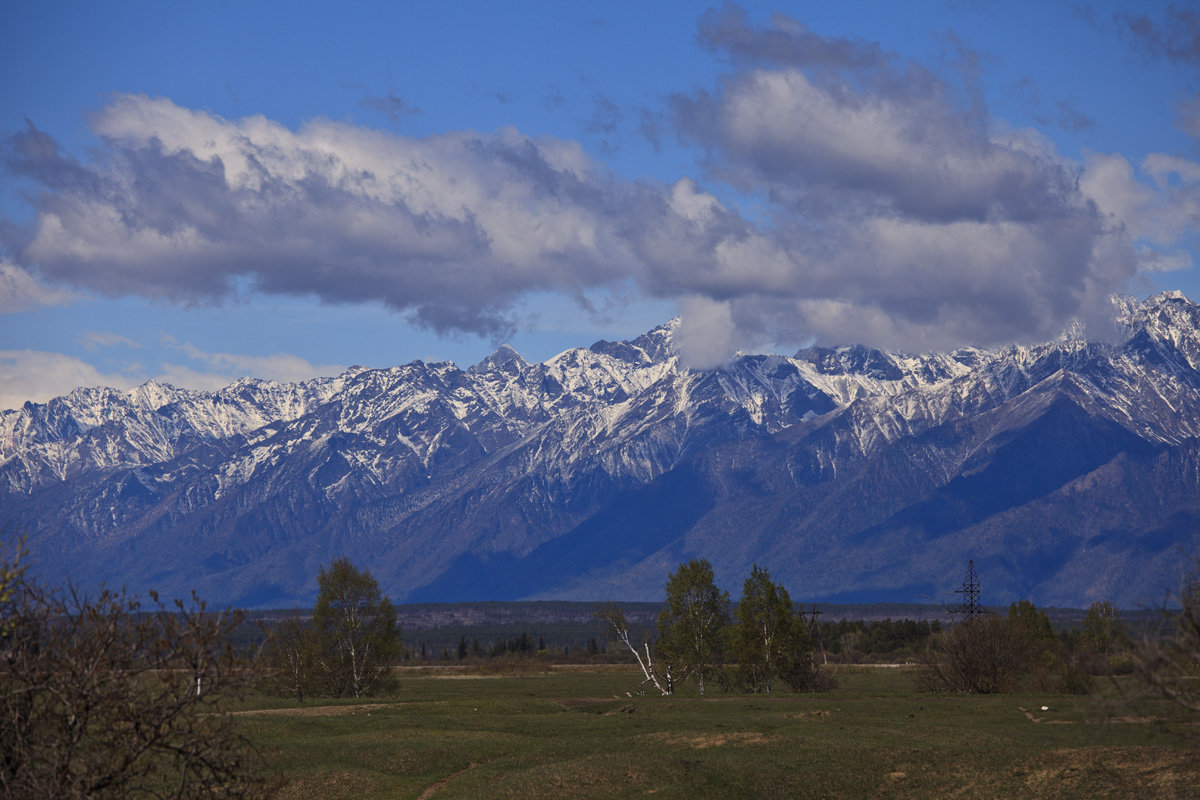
x,y
812,625
970,606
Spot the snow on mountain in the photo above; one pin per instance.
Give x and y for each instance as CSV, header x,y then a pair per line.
x,y
104,428
434,474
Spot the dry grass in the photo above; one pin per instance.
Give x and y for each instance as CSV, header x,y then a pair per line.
x,y
703,741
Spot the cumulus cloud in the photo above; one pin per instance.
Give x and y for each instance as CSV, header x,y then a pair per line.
x,y
816,148
20,291
903,213
32,375
1158,211
890,209
706,335
450,228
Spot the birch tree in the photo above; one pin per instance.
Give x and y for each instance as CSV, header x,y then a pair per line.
x,y
618,629
692,625
1103,632
357,630
290,655
772,640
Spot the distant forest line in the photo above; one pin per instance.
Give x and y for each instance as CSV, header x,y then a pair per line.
x,y
571,627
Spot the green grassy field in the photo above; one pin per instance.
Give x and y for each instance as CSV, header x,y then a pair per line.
x,y
575,734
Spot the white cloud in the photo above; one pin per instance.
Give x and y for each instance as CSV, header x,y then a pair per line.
x,y
95,340
1110,182
1159,213
39,376
706,335
905,215
228,367
452,228
893,210
20,291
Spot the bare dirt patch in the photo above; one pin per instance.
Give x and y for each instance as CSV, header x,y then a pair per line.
x,y
432,789
1159,773
810,716
704,741
340,783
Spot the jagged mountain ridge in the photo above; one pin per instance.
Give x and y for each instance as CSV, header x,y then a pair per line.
x,y
850,472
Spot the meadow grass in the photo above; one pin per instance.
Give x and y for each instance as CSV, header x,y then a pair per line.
x,y
576,734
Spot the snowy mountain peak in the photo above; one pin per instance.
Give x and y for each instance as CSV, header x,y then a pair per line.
x,y
656,346
1165,326
852,360
504,358
153,394
418,469
1133,312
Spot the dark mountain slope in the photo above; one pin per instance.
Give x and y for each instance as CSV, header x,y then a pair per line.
x,y
1067,470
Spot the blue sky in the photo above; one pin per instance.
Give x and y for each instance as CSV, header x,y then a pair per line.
x,y
195,192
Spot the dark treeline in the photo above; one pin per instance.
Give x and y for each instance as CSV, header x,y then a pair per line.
x,y
844,641
699,636
857,634
856,641
848,640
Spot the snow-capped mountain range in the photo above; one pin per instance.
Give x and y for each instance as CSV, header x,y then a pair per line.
x,y
1069,471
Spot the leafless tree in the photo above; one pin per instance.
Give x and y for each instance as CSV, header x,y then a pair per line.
x,y
619,631
1170,663
289,658
106,698
982,654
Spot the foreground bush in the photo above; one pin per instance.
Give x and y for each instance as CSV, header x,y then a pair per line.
x,y
989,654
1170,663
106,698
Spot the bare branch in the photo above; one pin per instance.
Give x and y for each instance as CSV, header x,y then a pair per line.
x,y
618,627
